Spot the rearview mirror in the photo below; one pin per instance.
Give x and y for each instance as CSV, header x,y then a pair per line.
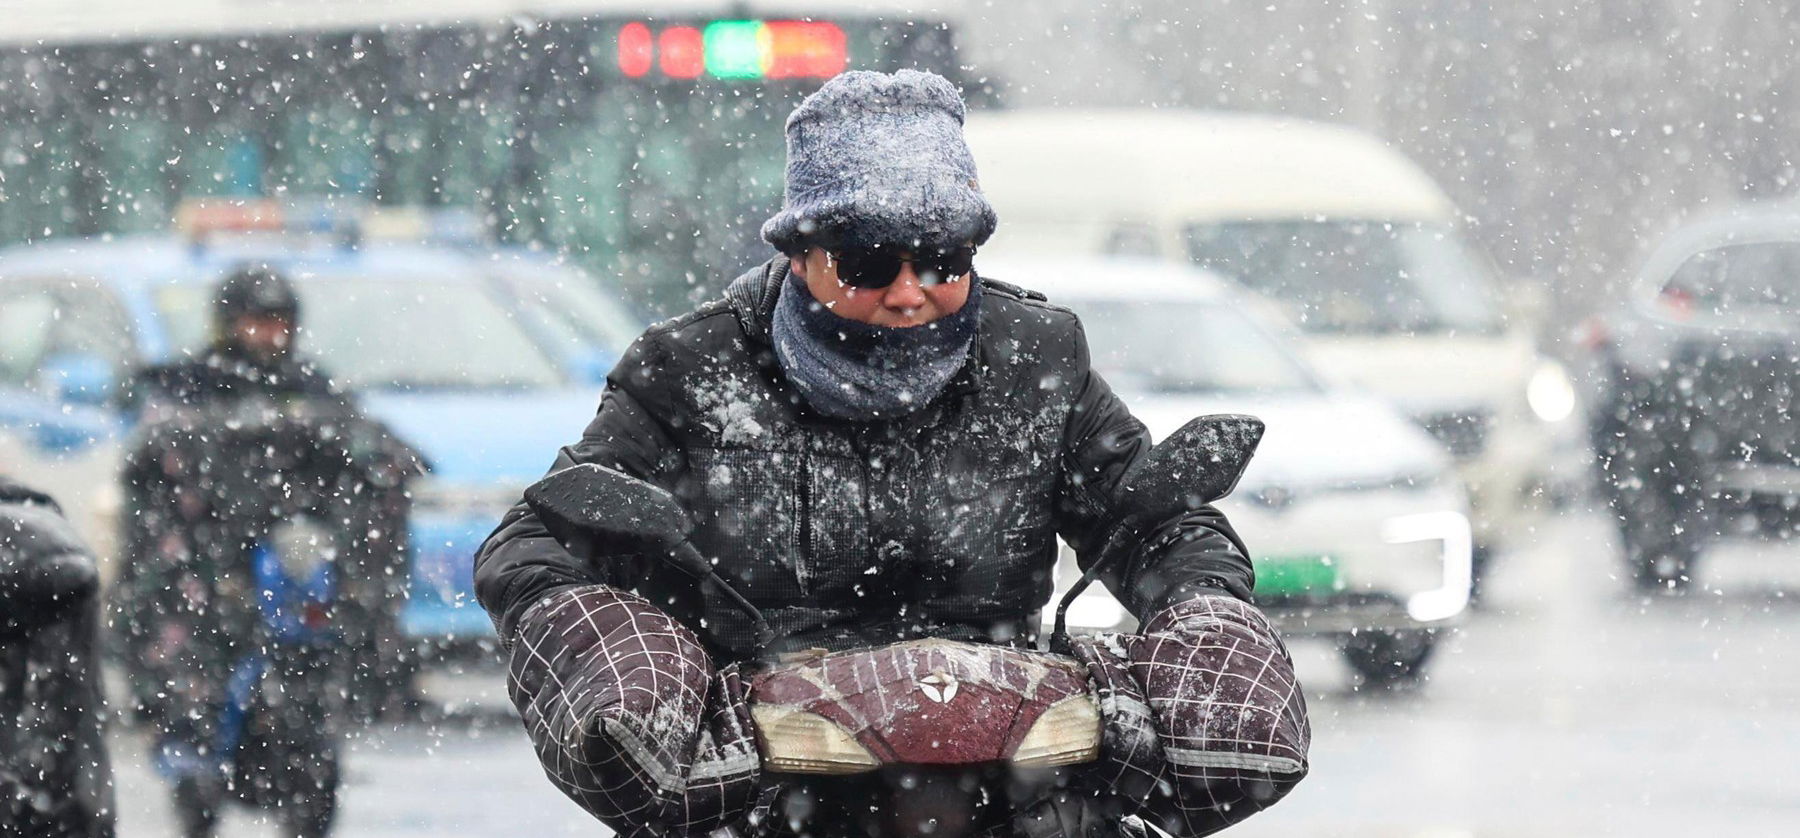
x,y
1196,465
1191,468
587,500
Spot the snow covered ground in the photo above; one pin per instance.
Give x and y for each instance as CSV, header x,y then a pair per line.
x,y
1567,707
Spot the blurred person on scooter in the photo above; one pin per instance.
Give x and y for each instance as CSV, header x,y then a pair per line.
x,y
249,465
55,778
875,444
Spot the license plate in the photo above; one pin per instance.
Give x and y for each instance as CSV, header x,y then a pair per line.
x,y
1296,575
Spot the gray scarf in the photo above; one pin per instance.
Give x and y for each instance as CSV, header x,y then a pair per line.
x,y
852,370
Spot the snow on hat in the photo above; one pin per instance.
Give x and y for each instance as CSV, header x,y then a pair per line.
x,y
874,158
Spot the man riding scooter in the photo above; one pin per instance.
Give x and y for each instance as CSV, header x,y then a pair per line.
x,y
266,519
874,445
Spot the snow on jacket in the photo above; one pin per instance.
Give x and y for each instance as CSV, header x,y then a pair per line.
x,y
941,523
55,778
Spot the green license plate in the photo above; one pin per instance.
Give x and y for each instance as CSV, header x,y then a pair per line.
x,y
1296,575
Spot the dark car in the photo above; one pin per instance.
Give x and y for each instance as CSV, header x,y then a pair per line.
x,y
1694,422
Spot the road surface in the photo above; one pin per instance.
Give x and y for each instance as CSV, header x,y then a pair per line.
x,y
1568,706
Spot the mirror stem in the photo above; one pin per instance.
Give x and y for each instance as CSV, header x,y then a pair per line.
x,y
1059,634
686,557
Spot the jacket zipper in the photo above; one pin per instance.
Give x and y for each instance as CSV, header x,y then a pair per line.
x,y
803,550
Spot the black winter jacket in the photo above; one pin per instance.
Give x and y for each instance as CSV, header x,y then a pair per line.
x,y
55,779
221,374
942,523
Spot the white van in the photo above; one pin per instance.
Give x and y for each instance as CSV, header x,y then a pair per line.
x,y
1354,241
1367,545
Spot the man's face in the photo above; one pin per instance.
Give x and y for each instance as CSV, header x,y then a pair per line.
x,y
904,303
266,336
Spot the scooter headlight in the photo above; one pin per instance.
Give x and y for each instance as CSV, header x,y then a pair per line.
x,y
804,742
1068,733
304,546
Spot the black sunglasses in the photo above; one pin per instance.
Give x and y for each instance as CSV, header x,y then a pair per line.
x,y
878,266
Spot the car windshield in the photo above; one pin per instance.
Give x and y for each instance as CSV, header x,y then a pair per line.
x,y
393,333
1742,278
1355,277
1145,346
567,304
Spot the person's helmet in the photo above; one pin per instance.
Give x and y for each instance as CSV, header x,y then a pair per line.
x,y
255,289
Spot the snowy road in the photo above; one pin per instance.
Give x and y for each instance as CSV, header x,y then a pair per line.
x,y
1567,708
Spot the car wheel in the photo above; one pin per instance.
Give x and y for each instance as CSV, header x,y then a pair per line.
x,y
1777,517
1659,559
1660,534
1386,660
1668,570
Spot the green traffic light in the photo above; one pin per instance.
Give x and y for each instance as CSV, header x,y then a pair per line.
x,y
736,49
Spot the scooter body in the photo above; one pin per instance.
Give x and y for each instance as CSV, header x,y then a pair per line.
x,y
924,737
296,583
924,702
270,551
276,734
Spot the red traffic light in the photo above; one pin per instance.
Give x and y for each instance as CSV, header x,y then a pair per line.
x,y
683,52
637,50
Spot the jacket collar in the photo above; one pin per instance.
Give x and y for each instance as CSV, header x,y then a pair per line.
x,y
752,297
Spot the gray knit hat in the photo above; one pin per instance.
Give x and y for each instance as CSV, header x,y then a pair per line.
x,y
874,158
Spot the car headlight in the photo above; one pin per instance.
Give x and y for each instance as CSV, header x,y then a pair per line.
x,y
804,742
1068,733
1549,393
1451,528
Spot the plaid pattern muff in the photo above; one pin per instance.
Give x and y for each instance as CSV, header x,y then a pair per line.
x,y
1205,722
628,717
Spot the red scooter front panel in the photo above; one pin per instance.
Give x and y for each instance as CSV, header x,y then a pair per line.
x,y
929,702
